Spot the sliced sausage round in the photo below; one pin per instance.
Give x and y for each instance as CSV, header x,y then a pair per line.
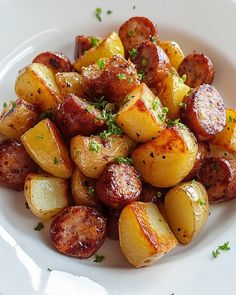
x,y
15,164
204,112
78,231
82,44
218,175
198,69
119,185
152,63
75,116
135,30
57,62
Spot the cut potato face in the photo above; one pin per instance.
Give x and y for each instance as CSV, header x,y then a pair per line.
x,y
44,144
92,163
226,139
36,84
217,151
46,195
171,93
144,234
108,47
167,160
142,117
187,209
173,51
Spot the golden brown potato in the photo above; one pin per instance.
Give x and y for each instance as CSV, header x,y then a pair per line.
x,y
46,195
173,51
83,189
108,47
36,84
144,234
21,117
218,152
186,208
91,154
166,160
44,144
142,117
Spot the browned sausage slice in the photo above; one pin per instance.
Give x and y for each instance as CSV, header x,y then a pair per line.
x,y
152,63
203,153
84,43
78,231
198,69
135,30
15,164
119,185
76,116
218,175
58,62
204,112
112,77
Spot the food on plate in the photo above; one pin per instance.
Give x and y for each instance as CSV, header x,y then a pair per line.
x,y
218,175
198,69
113,216
55,61
217,151
78,231
46,195
173,51
113,78
17,118
167,160
83,44
36,84
204,112
144,234
44,144
15,164
118,185
186,208
75,116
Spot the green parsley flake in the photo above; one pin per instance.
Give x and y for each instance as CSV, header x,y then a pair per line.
x,y
39,226
121,76
184,78
101,64
131,33
155,104
4,104
153,39
112,128
98,14
224,247
122,160
162,116
109,11
176,123
201,202
100,103
90,108
145,62
159,194
13,104
94,146
99,258
182,105
231,119
94,41
55,161
133,53
91,190
193,181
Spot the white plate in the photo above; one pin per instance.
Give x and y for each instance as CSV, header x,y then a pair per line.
x,y
29,27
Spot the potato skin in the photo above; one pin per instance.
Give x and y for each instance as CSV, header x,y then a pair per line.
x,y
218,175
173,51
117,78
76,116
204,112
15,164
198,69
18,119
56,61
79,231
135,30
118,185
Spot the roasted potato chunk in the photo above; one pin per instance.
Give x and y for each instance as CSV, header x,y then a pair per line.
x,y
186,208
46,195
83,189
108,47
44,144
216,151
142,116
91,154
166,160
112,77
36,84
20,117
171,93
144,234
173,51
15,164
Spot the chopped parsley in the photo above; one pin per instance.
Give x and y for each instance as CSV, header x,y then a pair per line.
x,y
13,104
39,226
193,181
90,108
145,62
162,116
224,247
55,161
112,128
126,99
158,195
4,104
101,64
153,39
133,53
201,202
122,160
109,11
182,105
39,137
121,76
94,41
184,78
94,146
100,103
155,104
91,190
141,75
176,123
98,13
131,33
99,258
231,119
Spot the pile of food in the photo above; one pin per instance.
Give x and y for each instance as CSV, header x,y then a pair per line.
x,y
131,141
